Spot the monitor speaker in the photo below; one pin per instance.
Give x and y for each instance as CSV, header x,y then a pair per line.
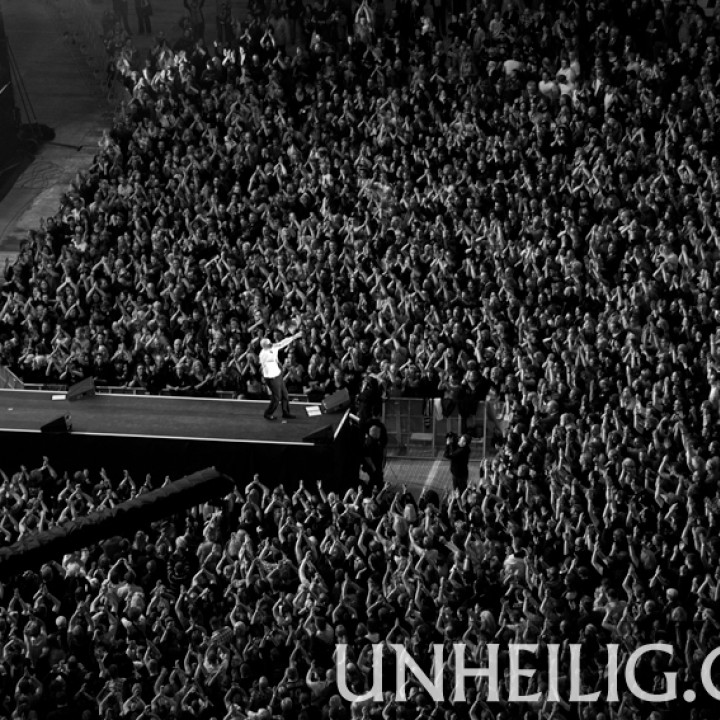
x,y
62,424
85,388
337,402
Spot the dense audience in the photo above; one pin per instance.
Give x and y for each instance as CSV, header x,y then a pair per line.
x,y
519,200
234,610
504,194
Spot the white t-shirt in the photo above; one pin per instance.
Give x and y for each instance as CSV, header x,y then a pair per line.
x,y
548,88
512,66
269,362
566,88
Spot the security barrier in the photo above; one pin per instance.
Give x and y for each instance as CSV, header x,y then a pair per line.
x,y
9,380
117,390
418,428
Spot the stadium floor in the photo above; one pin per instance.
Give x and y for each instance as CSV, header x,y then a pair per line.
x,y
65,80
63,95
424,474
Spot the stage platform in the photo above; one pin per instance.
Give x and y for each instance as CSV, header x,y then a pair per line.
x,y
172,436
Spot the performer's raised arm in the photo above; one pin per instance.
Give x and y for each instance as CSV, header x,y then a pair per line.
x,y
284,343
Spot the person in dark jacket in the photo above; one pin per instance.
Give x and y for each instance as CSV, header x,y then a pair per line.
x,y
369,400
120,8
197,17
457,450
373,460
144,11
473,391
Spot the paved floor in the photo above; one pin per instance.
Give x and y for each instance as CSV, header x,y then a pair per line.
x,y
421,475
60,89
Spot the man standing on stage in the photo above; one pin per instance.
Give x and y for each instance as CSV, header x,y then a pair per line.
x,y
272,373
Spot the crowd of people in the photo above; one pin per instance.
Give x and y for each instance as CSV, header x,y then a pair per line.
x,y
514,199
506,193
235,609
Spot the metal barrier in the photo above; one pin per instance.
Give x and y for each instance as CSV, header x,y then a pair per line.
x,y
116,390
9,380
123,391
417,428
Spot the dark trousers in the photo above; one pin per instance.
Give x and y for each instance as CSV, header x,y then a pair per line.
x,y
279,396
440,18
144,24
459,482
121,13
224,30
372,464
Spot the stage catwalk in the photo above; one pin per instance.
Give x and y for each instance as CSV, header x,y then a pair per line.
x,y
159,417
173,436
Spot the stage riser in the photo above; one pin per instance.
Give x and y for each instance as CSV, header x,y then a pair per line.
x,y
275,463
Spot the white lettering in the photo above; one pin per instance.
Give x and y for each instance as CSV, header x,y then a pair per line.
x,y
670,678
516,672
462,672
405,660
375,692
576,676
705,677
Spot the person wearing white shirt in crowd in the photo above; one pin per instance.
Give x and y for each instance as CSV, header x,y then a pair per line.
x,y
272,374
548,87
564,85
567,71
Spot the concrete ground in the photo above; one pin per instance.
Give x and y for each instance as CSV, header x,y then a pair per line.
x,y
421,475
60,93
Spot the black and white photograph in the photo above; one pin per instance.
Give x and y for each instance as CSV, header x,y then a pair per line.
x,y
359,360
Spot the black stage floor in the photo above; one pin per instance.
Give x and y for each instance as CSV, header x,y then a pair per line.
x,y
159,417
175,436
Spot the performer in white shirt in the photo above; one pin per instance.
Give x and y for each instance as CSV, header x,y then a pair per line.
x,y
272,373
